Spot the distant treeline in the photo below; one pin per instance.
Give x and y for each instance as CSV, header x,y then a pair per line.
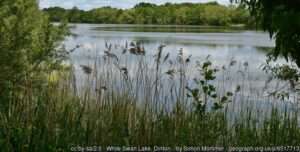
x,y
146,13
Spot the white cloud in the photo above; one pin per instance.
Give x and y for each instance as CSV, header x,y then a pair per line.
x,y
89,4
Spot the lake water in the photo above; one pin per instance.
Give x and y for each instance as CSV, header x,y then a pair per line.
x,y
222,45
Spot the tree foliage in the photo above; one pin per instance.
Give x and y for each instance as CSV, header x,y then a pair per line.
x,y
28,44
282,19
147,13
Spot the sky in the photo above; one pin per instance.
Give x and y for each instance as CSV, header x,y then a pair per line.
x,y
90,4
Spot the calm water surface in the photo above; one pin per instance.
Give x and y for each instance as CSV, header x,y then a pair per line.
x,y
222,45
241,45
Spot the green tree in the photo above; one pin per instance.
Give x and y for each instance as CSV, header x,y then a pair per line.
x,y
239,15
147,13
282,19
181,16
28,46
105,15
143,4
162,16
127,17
56,14
74,15
216,15
194,16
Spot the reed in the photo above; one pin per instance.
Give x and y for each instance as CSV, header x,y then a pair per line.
x,y
149,103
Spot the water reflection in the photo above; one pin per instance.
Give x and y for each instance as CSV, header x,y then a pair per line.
x,y
168,28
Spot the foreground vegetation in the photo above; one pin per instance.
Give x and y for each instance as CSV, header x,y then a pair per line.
x,y
147,13
55,120
50,106
130,107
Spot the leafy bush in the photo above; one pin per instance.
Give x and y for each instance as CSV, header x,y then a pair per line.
x,y
29,45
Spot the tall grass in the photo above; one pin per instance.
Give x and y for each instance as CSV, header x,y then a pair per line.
x,y
112,103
